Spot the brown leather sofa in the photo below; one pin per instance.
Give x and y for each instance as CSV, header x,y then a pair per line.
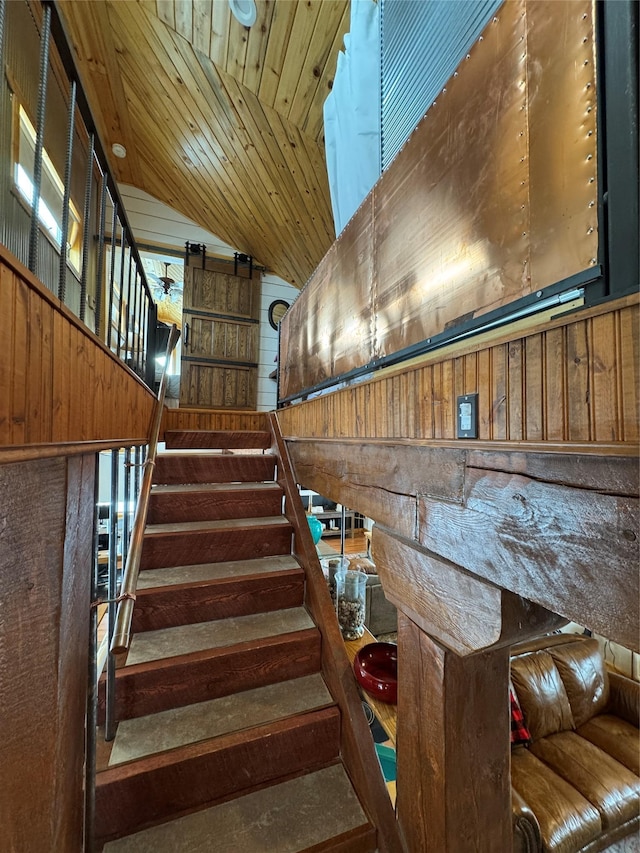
x,y
576,784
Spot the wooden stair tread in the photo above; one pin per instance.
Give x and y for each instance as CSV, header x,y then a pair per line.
x,y
175,575
191,723
194,453
199,488
222,633
287,817
217,524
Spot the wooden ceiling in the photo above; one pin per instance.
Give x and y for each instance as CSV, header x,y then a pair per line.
x,y
220,122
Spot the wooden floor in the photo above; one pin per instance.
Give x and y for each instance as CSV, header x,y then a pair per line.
x,y
357,545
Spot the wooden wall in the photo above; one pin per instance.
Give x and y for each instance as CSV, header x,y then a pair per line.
x,y
58,382
482,543
575,379
177,419
45,562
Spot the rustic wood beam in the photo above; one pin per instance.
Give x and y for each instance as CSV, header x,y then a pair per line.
x,y
572,550
462,612
559,528
453,777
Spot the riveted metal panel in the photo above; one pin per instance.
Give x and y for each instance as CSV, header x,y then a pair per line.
x,y
491,201
561,81
452,215
422,44
329,329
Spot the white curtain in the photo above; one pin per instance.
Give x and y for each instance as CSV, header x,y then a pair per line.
x,y
352,115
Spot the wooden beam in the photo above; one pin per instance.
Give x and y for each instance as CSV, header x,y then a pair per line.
x,y
564,534
453,750
571,550
464,613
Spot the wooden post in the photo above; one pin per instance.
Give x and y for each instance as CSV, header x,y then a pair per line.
x,y
453,747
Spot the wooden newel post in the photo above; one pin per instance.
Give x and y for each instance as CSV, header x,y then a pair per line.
x,y
453,759
453,745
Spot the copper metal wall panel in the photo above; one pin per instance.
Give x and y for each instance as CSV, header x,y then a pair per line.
x,y
491,198
451,212
561,79
329,330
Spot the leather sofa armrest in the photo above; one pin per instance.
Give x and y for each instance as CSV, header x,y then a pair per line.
x,y
624,697
526,829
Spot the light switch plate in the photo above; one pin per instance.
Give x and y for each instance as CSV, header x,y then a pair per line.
x,y
467,416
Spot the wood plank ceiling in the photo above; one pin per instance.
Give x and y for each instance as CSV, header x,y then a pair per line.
x,y
221,122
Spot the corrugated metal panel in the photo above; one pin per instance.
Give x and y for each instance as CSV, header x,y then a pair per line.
x,y
423,42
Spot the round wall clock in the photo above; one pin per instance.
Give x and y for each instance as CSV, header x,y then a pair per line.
x,y
277,310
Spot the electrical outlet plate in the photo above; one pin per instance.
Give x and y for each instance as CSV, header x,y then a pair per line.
x,y
467,416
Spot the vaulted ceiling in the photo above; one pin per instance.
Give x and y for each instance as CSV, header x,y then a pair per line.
x,y
220,122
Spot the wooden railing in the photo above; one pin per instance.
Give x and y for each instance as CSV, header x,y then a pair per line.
x,y
356,743
122,634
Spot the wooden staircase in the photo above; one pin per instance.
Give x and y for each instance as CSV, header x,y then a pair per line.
x,y
228,738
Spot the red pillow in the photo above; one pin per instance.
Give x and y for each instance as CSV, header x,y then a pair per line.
x,y
519,732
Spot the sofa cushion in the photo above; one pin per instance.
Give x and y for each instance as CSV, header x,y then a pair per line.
x,y
567,820
582,670
616,737
608,785
541,694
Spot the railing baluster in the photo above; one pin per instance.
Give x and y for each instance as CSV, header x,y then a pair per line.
x,y
34,231
127,317
127,498
123,243
100,263
110,704
62,276
86,229
112,274
92,686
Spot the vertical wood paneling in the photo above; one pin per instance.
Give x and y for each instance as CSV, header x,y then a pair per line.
x,y
499,405
603,392
555,400
534,425
515,392
578,383
20,364
571,382
629,343
193,419
483,385
58,382
7,335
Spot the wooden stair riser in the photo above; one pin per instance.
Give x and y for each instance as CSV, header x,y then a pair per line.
x,y
362,839
161,550
211,506
147,688
217,440
132,796
165,607
216,468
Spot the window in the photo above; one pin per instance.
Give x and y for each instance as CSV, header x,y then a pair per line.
x,y
51,190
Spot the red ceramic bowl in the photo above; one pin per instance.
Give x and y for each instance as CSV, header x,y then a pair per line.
x,y
376,669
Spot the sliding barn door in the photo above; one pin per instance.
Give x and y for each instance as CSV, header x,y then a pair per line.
x,y
220,340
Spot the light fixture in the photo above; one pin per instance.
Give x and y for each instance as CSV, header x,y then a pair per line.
x,y
244,11
165,280
119,150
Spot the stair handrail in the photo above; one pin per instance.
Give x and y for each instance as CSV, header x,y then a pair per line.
x,y
121,639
